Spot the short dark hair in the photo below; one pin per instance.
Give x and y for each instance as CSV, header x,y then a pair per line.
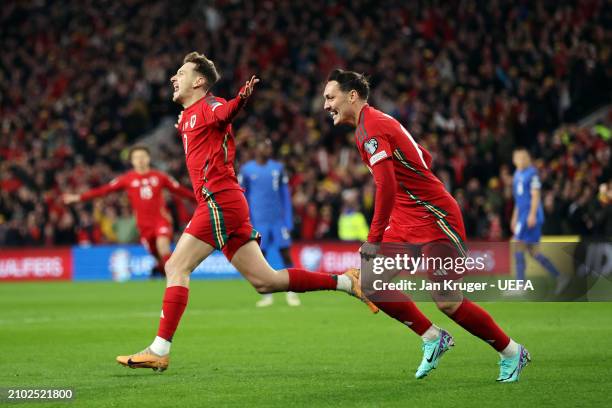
x,y
203,66
350,80
522,149
137,148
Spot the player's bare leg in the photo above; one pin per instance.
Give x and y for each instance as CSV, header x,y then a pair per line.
x,y
189,253
292,298
251,263
266,299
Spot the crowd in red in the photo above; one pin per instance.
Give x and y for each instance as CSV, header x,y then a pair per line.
x,y
81,81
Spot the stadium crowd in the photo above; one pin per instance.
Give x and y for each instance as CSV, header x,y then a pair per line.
x,y
469,79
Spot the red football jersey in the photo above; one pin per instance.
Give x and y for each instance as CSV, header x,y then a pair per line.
x,y
145,194
208,141
420,198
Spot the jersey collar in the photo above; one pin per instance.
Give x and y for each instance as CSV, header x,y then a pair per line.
x,y
193,105
362,114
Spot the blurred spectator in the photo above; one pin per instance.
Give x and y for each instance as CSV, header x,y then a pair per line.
x,y
125,227
325,224
352,225
604,210
88,232
553,215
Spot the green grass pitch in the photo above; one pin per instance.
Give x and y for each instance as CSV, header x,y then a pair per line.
x,y
329,352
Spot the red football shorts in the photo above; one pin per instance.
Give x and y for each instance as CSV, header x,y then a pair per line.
x,y
437,242
149,234
222,221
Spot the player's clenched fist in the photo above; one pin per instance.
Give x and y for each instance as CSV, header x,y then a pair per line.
x,y
248,87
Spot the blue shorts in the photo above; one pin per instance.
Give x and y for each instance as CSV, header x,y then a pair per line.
x,y
528,235
273,235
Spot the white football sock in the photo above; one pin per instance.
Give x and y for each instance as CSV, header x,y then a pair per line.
x,y
160,346
511,349
344,284
431,334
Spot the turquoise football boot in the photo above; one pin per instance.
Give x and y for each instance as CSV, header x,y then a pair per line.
x,y
432,351
510,368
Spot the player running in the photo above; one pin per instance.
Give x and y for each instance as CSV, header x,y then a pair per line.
x,y
144,187
412,206
266,187
221,220
528,217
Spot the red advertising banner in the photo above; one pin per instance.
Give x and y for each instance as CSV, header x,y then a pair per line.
x,y
35,264
337,257
329,257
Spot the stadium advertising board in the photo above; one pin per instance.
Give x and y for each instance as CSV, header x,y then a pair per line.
x,y
337,257
132,262
35,264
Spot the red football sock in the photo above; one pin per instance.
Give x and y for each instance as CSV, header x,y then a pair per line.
x,y
400,307
301,280
175,301
477,321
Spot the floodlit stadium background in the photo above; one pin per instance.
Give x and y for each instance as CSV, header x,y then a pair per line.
x,y
81,82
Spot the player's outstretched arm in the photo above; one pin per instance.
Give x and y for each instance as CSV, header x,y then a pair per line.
x,y
175,188
386,187
384,178
115,185
225,112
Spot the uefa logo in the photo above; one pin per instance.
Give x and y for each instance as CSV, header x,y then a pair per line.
x,y
310,257
119,265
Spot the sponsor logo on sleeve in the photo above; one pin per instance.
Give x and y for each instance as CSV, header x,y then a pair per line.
x,y
377,157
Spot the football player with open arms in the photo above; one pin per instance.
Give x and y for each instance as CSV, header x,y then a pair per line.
x,y
221,220
144,187
413,207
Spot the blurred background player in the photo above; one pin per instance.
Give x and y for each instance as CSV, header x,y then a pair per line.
x,y
412,206
528,217
144,187
267,192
